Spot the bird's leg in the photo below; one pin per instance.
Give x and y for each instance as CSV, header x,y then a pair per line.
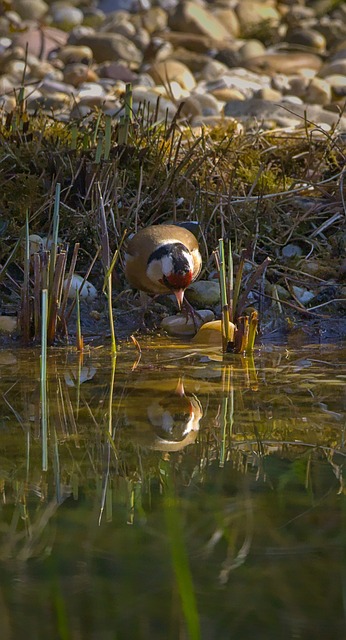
x,y
188,310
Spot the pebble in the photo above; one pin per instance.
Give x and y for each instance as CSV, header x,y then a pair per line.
x,y
8,324
88,292
180,326
203,293
237,59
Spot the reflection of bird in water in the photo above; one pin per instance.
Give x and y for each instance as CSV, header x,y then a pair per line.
x,y
163,259
163,420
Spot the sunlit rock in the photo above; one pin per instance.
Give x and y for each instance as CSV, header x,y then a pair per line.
x,y
210,334
89,292
180,326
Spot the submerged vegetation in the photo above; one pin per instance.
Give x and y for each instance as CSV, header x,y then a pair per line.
x,y
274,194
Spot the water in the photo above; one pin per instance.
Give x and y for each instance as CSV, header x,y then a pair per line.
x,y
184,497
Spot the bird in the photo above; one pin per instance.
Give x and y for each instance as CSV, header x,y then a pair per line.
x,y
163,258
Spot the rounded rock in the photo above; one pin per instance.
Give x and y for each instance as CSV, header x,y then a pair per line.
x,y
318,92
167,71
204,293
75,54
251,49
252,14
76,74
180,326
229,19
66,17
30,9
307,38
108,47
193,18
331,68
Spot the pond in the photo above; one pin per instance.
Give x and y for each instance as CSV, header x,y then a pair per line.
x,y
184,496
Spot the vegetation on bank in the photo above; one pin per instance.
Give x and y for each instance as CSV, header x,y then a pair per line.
x,y
264,190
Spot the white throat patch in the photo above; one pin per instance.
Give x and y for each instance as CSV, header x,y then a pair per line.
x,y
165,266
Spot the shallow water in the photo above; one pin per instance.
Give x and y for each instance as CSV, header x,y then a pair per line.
x,y
185,497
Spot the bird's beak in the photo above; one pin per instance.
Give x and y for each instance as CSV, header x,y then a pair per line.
x,y
179,294
180,391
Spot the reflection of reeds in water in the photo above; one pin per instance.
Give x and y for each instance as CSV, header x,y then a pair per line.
x,y
179,553
206,496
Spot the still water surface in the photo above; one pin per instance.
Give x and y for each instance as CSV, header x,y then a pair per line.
x,y
185,497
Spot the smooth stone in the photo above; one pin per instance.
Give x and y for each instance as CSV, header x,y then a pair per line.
x,y
292,251
40,41
204,293
167,71
116,71
251,49
337,84
196,62
142,40
80,111
124,28
210,334
280,82
78,73
148,96
8,324
331,68
303,295
318,92
192,41
308,38
44,69
89,292
6,84
288,63
50,86
36,243
201,104
195,18
108,46
8,103
245,81
16,68
91,94
277,290
229,19
30,9
226,95
298,86
65,17
155,19
252,14
75,54
93,17
172,92
267,111
267,93
180,326
56,101
213,69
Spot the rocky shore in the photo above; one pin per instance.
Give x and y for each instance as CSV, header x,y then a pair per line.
x,y
267,64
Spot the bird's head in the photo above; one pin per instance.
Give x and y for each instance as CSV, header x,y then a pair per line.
x,y
172,266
